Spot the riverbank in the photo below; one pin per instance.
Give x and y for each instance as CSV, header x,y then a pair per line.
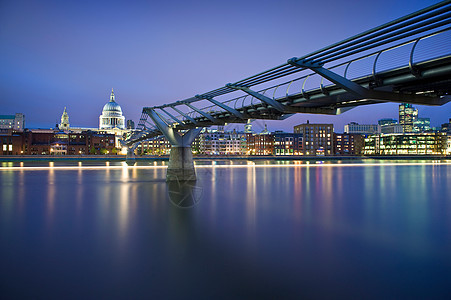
x,y
7,158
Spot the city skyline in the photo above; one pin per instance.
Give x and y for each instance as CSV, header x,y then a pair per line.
x,y
258,125
57,55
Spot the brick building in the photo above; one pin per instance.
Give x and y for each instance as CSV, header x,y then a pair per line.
x,y
286,143
50,142
348,144
317,139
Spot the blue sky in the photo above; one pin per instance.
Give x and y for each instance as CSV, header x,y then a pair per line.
x,y
71,53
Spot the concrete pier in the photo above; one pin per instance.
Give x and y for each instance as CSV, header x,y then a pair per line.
x,y
181,165
130,158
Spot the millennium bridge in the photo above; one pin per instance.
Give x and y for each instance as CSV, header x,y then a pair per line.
x,y
407,60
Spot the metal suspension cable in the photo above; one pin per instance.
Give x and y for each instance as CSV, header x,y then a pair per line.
x,y
374,32
262,73
292,72
286,72
391,40
383,26
220,92
412,29
266,75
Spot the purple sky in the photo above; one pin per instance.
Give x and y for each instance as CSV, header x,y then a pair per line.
x,y
71,53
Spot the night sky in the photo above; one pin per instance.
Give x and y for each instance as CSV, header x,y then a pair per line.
x,y
71,53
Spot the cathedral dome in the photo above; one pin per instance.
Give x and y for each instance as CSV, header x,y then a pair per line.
x,y
111,108
111,116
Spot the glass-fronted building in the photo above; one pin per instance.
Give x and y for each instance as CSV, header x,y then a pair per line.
x,y
406,144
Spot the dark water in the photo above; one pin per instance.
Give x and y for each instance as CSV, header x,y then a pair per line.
x,y
351,231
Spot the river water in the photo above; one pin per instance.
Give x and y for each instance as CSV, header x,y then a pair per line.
x,y
269,229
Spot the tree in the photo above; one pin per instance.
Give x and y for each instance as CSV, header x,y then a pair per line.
x,y
92,150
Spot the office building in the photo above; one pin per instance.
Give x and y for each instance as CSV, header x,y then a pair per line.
x,y
387,121
393,128
422,124
365,129
407,115
434,143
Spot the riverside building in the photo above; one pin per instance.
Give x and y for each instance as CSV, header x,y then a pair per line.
x,y
317,139
348,144
286,143
220,142
51,142
407,144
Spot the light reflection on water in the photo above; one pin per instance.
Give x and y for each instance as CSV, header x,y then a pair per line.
x,y
280,231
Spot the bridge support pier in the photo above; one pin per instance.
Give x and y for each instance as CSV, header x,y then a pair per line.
x,y
181,165
130,158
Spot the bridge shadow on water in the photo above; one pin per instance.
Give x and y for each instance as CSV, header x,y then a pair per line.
x,y
184,194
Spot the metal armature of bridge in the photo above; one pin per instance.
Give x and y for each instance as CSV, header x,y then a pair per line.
x,y
407,60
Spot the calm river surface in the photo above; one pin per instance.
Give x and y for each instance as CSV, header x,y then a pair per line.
x,y
272,230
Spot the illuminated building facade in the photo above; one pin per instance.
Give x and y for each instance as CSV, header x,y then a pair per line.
x,y
49,142
15,122
317,139
387,126
422,124
64,125
220,143
365,129
11,143
393,128
157,146
446,127
348,144
407,115
386,121
111,116
260,143
286,143
406,144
